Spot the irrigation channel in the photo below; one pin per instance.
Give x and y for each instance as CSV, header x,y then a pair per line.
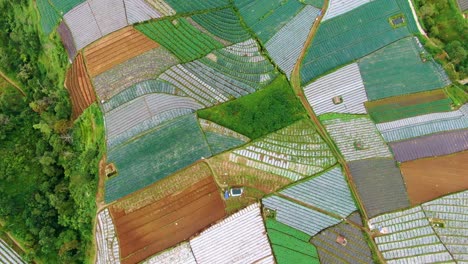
x,y
296,84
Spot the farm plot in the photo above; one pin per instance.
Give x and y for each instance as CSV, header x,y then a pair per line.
x,y
408,237
294,152
180,37
79,86
328,191
430,146
293,36
139,11
344,85
428,179
357,138
350,36
240,238
115,49
140,68
298,216
196,5
339,7
406,106
330,251
423,125
220,138
266,17
221,76
8,255
453,233
168,221
67,40
399,68
162,7
150,107
290,245
224,24
106,239
94,19
51,12
155,155
380,185
179,254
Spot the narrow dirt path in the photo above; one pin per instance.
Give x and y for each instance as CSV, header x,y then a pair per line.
x,y
296,84
12,83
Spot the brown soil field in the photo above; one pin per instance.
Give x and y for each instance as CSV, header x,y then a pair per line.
x,y
428,179
409,99
167,222
116,48
79,86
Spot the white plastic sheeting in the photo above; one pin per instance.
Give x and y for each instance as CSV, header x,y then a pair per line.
x,y
345,82
106,240
339,7
240,238
8,255
140,11
179,254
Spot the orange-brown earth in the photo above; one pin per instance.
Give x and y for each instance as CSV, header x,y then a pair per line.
x,y
79,86
428,179
116,48
409,99
168,221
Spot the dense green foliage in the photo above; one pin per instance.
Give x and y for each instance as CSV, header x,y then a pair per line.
x,y
266,17
457,94
448,31
180,37
154,155
48,165
260,113
290,245
346,38
399,69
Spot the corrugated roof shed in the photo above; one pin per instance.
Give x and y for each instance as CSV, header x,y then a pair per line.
x,y
328,191
380,185
422,125
463,5
430,146
410,238
240,238
179,254
345,82
339,7
297,216
357,138
355,251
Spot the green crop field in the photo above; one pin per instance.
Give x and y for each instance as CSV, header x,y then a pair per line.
x,y
180,37
400,107
348,37
51,11
260,113
219,143
266,17
290,245
153,156
189,6
398,69
223,23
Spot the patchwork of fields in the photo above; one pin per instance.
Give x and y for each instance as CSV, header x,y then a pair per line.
x,y
359,162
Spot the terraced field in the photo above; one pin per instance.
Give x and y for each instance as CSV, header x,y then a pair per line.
x,y
108,250
290,245
399,69
79,87
195,5
220,138
177,35
139,162
294,152
346,38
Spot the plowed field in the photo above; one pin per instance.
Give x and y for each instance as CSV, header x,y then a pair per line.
x,y
428,179
116,48
79,86
167,222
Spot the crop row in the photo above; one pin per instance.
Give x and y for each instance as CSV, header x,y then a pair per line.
x,y
106,239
